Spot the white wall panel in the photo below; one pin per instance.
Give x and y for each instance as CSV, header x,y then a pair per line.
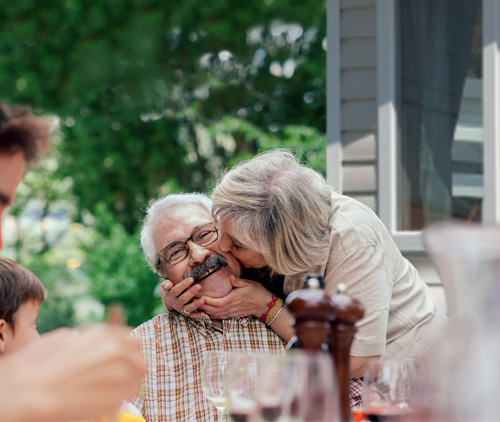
x,y
359,116
358,53
359,84
354,4
358,23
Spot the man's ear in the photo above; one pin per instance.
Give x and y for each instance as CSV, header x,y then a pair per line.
x,y
3,336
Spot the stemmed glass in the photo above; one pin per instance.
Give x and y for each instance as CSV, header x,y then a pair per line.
x,y
241,387
312,388
391,388
272,387
213,380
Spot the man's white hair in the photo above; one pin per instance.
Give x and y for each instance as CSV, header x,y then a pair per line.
x,y
159,210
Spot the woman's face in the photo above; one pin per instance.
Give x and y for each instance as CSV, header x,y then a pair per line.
x,y
229,243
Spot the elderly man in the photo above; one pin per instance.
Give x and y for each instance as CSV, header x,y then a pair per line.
x,y
179,241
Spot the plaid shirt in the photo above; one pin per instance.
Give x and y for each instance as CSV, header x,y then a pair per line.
x,y
356,393
174,346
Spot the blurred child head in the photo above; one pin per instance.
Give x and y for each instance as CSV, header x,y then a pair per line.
x,y
21,294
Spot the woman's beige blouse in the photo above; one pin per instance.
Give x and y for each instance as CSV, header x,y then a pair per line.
x,y
401,315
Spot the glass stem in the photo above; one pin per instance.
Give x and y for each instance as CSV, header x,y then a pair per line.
x,y
220,414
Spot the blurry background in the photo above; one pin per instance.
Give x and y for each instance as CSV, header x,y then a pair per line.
x,y
152,97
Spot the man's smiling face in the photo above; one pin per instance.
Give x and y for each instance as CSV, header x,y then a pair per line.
x,y
179,225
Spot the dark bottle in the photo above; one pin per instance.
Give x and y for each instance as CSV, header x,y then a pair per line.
x,y
340,337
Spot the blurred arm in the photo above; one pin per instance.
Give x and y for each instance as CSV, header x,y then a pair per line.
x,y
66,377
357,365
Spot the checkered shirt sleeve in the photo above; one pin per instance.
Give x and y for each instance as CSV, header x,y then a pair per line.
x,y
356,392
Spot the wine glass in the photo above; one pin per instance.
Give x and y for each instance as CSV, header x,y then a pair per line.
x,y
391,388
312,391
213,380
241,386
272,386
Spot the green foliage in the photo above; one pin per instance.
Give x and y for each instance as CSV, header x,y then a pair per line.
x,y
118,271
39,234
132,81
153,97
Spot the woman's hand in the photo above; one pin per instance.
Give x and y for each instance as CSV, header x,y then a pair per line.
x,y
247,298
180,297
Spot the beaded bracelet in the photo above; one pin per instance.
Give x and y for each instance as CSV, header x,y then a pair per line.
x,y
274,312
270,306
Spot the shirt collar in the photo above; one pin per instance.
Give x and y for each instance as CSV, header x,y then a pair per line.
x,y
205,323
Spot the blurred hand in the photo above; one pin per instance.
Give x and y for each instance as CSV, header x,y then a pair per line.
x,y
64,376
180,297
247,298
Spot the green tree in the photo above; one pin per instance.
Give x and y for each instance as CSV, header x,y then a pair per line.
x,y
118,271
134,81
153,97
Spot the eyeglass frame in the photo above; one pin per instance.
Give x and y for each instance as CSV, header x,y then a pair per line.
x,y
160,254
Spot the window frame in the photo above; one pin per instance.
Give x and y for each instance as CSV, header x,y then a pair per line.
x,y
411,241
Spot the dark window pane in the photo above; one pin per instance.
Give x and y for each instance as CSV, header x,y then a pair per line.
x,y
440,168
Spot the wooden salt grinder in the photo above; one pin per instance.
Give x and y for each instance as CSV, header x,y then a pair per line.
x,y
340,337
312,312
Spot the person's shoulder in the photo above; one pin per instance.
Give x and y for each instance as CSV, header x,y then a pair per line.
x,y
158,323
346,206
354,224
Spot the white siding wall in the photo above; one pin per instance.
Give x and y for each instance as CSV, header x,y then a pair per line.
x,y
358,115
358,106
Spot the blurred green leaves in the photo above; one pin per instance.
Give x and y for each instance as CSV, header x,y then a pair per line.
x,y
118,271
153,97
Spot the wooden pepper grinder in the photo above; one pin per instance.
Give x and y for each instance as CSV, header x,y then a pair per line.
x,y
342,330
312,312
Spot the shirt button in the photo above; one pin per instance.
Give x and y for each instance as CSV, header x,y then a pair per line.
x,y
228,335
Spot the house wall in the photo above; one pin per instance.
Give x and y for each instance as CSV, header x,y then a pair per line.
x,y
358,115
358,106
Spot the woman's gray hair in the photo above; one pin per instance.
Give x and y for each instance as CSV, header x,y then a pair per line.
x,y
160,209
278,207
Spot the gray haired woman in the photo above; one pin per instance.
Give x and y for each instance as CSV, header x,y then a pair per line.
x,y
275,212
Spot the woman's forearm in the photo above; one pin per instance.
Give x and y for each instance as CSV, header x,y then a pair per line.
x,y
282,325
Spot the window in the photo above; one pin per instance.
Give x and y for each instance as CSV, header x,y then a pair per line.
x,y
438,153
439,107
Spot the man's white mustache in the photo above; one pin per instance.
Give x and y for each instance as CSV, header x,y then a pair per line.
x,y
212,261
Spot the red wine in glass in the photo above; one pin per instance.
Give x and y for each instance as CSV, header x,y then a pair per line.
x,y
242,410
270,413
239,417
384,414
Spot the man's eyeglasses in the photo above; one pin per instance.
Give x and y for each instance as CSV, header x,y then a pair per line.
x,y
176,252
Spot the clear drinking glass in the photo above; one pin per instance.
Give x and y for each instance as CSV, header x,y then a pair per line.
x,y
391,389
272,387
241,387
311,391
463,376
213,380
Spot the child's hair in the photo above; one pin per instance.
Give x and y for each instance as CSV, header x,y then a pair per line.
x,y
17,286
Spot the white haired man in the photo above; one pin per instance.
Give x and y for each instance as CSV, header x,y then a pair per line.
x,y
180,241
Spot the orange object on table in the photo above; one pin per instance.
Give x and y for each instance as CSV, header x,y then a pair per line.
x,y
359,415
127,413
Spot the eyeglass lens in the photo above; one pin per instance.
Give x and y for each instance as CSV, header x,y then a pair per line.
x,y
203,236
